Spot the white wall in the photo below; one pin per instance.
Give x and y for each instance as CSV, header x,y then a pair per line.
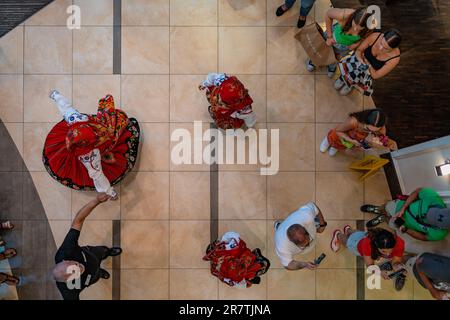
x,y
415,166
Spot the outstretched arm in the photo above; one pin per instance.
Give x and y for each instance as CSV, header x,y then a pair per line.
x,y
84,212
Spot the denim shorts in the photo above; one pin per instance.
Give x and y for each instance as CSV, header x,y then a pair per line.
x,y
353,240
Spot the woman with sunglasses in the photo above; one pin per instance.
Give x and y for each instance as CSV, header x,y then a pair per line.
x,y
377,245
362,130
377,55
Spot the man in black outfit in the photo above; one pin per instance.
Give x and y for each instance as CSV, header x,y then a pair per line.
x,y
79,267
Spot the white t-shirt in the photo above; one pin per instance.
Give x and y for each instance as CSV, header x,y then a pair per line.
x,y
304,216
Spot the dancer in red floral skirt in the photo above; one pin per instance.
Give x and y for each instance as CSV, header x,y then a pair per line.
x,y
235,264
91,152
231,105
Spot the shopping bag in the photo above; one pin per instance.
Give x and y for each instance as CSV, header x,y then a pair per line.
x,y
312,39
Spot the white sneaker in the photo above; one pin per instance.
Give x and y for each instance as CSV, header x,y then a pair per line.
x,y
324,145
53,94
310,66
345,90
339,83
332,151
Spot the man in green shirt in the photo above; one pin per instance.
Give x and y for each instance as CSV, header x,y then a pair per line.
x,y
423,215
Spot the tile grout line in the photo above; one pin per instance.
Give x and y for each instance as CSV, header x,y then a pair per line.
x,y
117,70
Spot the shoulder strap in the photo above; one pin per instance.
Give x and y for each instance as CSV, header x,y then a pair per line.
x,y
392,58
376,39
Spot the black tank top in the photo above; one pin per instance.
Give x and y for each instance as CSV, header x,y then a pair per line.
x,y
376,64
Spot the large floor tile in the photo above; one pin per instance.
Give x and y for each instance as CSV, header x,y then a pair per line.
x,y
188,242
291,285
376,189
185,135
342,259
285,54
242,13
253,232
242,195
145,196
190,195
96,13
57,230
48,50
339,195
145,244
54,14
320,9
55,198
296,146
144,284
154,147
420,293
145,50
11,98
93,50
287,191
15,131
144,12
187,103
193,50
336,284
255,292
242,50
290,98
38,107
34,137
289,19
332,107
146,97
89,89
184,284
339,162
193,13
11,48
109,210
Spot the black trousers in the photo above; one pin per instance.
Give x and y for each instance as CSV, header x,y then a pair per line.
x,y
99,252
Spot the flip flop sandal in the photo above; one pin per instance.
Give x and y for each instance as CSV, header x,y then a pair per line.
x,y
370,208
7,225
8,254
335,244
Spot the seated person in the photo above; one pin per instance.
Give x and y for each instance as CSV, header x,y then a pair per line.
x,y
432,271
423,215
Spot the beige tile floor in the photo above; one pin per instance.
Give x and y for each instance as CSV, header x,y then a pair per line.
x,y
168,46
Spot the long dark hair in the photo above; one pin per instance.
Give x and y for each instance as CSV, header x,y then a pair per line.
x,y
374,117
380,239
393,38
360,16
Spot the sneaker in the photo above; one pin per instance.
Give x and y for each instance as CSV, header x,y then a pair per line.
x,y
375,221
335,244
331,72
324,145
339,83
276,224
301,22
104,274
345,90
370,208
399,282
53,94
310,66
332,151
280,11
114,251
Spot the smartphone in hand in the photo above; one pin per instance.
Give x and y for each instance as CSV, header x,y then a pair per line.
x,y
319,259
